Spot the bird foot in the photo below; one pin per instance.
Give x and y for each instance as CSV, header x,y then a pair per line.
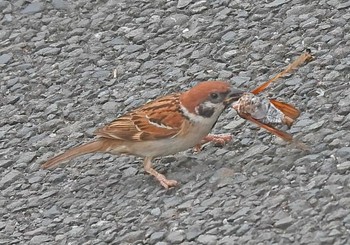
x,y
166,183
218,139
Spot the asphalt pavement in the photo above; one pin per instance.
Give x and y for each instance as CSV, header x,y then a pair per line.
x,y
68,67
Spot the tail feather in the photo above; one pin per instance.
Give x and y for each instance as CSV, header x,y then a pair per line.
x,y
95,146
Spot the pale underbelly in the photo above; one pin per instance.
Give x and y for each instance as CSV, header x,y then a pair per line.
x,y
162,147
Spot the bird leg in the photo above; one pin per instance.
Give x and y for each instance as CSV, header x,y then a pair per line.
x,y
166,183
220,139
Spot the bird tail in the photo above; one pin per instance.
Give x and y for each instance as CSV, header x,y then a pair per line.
x,y
95,146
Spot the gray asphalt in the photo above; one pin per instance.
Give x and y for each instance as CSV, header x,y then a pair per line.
x,y
68,67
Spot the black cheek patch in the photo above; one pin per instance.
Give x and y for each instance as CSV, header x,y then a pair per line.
x,y
204,111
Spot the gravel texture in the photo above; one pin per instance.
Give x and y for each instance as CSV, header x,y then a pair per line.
x,y
67,67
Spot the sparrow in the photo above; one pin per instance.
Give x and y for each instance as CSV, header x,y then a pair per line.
x,y
164,126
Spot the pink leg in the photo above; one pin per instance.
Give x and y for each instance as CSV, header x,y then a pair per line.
x,y
166,183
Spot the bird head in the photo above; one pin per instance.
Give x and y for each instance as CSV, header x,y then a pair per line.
x,y
209,99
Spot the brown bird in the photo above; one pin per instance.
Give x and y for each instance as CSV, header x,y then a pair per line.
x,y
165,126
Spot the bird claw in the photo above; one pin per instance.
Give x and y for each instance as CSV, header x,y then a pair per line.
x,y
166,183
218,139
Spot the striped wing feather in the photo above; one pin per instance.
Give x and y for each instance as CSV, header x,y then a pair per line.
x,y
158,119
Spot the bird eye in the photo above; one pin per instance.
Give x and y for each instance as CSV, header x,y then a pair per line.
x,y
214,96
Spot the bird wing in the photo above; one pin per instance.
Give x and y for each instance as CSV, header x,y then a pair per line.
x,y
158,119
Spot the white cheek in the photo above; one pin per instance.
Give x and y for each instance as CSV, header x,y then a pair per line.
x,y
193,117
218,108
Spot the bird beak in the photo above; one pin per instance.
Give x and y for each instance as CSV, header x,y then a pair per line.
x,y
234,95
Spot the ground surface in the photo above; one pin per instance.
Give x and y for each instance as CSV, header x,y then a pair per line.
x,y
68,67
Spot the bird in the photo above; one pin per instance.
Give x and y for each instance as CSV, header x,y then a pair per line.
x,y
164,126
